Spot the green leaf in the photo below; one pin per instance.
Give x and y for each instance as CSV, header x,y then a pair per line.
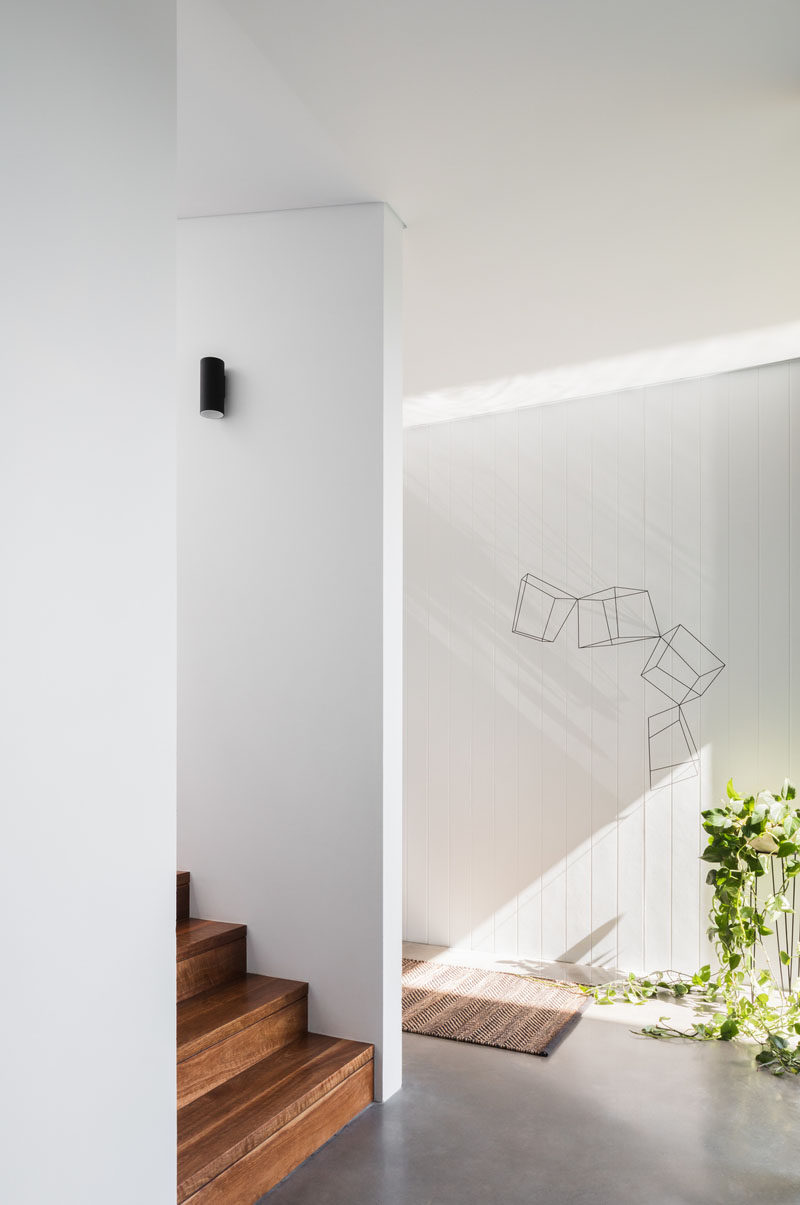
x,y
785,957
716,819
786,849
732,792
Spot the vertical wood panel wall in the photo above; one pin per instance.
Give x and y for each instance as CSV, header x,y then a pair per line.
x,y
530,829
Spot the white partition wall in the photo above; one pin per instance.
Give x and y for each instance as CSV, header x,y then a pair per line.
x,y
87,602
531,825
290,559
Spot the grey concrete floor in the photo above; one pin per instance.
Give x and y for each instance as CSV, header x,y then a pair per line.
x,y
607,1118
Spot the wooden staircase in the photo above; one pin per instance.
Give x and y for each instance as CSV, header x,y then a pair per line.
x,y
257,1093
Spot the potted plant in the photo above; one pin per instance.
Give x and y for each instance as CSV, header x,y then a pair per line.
x,y
754,853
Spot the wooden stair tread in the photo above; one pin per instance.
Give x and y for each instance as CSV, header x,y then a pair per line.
x,y
195,936
182,879
219,1128
216,1014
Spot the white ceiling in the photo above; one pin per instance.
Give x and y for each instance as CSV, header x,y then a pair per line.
x,y
580,179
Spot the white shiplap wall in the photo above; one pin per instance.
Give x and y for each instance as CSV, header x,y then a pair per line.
x,y
529,830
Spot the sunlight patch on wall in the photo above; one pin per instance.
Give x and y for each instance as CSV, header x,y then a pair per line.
x,y
682,361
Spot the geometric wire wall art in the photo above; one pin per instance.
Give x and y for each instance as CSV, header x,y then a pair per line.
x,y
542,609
615,616
673,753
679,665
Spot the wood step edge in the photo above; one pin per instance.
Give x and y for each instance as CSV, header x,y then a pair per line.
x,y
216,1064
217,1014
267,1164
182,878
196,936
232,1121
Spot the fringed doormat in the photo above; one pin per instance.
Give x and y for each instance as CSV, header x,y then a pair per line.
x,y
489,1008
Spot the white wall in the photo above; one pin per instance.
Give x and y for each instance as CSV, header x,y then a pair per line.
x,y
87,642
530,830
290,554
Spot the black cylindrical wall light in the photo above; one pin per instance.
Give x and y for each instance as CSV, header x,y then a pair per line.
x,y
212,387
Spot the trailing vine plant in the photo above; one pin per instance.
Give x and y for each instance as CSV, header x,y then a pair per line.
x,y
754,853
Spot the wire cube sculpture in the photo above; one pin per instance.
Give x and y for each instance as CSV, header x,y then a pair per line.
x,y
679,665
619,615
542,609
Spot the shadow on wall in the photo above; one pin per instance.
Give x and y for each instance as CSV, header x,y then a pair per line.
x,y
582,950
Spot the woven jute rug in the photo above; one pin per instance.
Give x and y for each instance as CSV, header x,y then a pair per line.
x,y
490,1008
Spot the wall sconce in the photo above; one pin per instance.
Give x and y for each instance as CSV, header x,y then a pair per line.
x,y
212,387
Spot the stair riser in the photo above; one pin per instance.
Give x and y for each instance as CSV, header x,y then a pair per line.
x,y
182,900
204,1071
265,1166
211,968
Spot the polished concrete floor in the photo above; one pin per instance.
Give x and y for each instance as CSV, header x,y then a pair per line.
x,y
608,1118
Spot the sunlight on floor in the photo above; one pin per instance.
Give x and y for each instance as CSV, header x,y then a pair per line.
x,y
634,1016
